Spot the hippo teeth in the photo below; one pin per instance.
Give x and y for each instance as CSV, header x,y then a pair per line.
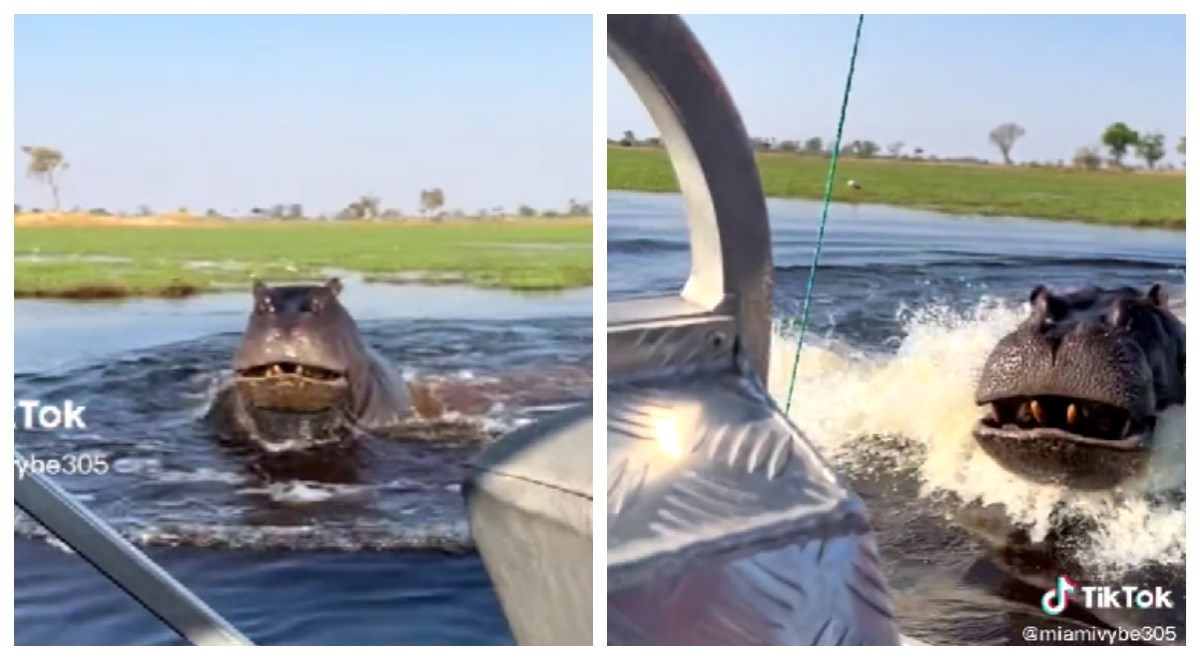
x,y
291,369
1085,418
1038,413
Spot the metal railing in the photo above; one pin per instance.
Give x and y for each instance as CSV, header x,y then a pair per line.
x,y
129,568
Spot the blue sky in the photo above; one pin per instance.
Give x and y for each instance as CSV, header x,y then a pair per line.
x,y
239,111
943,82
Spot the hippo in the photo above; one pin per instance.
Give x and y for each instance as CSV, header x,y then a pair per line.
x,y
303,377
1071,396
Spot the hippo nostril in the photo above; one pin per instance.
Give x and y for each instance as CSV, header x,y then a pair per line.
x,y
1047,307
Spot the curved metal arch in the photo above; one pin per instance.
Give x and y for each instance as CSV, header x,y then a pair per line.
x,y
718,177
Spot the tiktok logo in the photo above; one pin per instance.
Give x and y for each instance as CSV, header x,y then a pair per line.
x,y
1055,600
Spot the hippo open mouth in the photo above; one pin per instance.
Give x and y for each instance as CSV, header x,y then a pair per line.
x,y
1081,444
292,387
291,369
1072,396
1077,420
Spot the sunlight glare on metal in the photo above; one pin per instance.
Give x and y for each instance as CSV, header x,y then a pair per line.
x,y
666,431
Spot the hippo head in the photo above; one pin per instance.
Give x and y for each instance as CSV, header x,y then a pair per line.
x,y
1073,394
298,355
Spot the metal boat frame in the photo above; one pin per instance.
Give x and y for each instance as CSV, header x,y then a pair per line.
x,y
725,524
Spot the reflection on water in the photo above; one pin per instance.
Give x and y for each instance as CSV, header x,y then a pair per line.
x,y
284,547
907,304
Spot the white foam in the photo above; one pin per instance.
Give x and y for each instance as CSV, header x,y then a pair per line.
x,y
307,492
845,399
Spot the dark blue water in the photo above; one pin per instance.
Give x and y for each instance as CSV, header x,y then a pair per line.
x,y
907,304
367,549
875,258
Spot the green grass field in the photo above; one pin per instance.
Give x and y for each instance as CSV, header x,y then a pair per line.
x,y
1116,198
116,261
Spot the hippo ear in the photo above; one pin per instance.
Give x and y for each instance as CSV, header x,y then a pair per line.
x,y
259,289
1040,298
1158,294
335,286
1039,291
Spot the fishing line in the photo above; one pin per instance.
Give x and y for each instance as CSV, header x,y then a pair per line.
x,y
812,273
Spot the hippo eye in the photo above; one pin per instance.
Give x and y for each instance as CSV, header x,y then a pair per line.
x,y
310,305
265,306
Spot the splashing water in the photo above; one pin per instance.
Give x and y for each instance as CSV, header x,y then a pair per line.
x,y
854,404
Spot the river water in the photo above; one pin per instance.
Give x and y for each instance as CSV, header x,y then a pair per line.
x,y
369,549
907,305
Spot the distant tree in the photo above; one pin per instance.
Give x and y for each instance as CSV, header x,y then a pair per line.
x,y
1118,138
432,200
762,144
145,211
655,142
628,139
550,213
16,208
789,145
1182,146
1150,148
1087,158
295,211
212,213
813,145
1004,137
368,207
919,152
860,148
99,211
579,209
45,165
894,149
526,211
